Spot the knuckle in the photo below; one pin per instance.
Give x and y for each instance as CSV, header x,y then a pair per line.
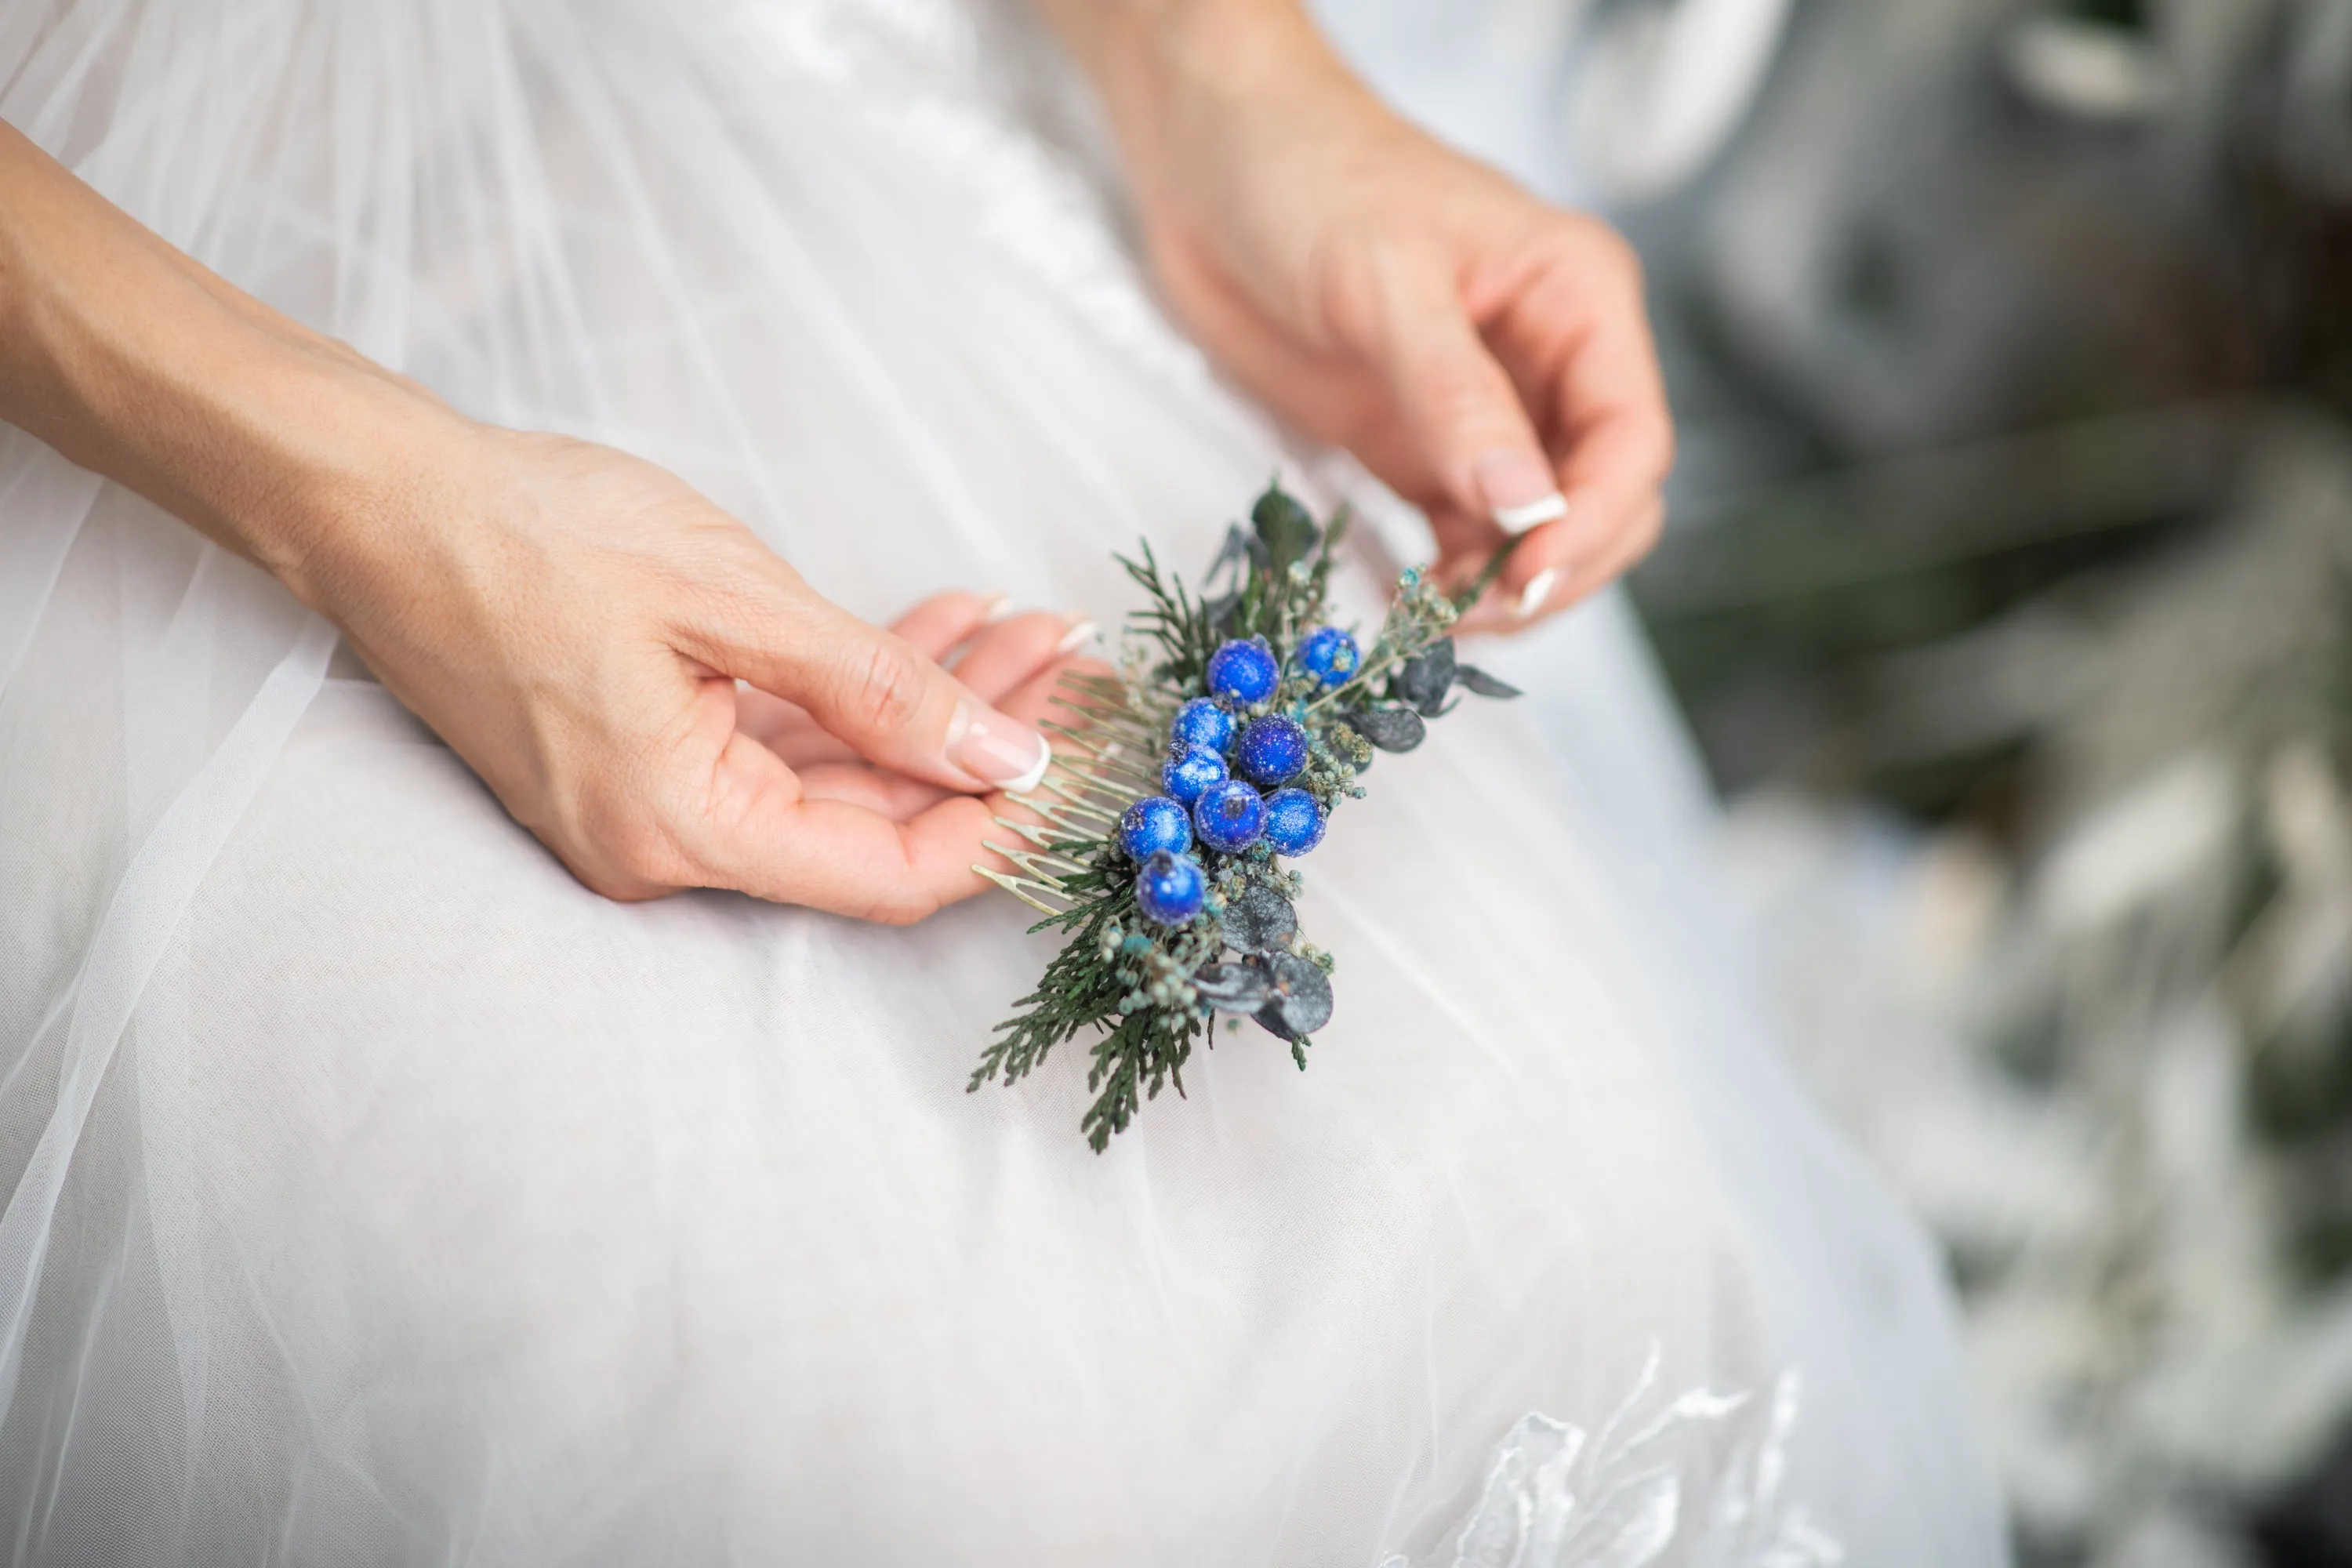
x,y
1353,320
1643,536
1362,278
1658,459
885,688
1615,256
1345,265
1453,394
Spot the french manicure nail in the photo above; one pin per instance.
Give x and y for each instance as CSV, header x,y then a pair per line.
x,y
1538,589
997,608
1535,514
1000,751
1519,490
1076,637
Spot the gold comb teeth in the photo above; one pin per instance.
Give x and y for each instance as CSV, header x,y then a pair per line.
x,y
1080,799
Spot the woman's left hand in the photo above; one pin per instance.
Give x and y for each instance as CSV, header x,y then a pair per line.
x,y
1482,352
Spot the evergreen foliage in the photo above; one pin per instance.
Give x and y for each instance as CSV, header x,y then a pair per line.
x,y
1152,992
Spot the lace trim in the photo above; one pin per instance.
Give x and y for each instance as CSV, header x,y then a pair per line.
x,y
1555,1497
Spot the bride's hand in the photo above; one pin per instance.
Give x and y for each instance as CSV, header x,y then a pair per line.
x,y
575,622
1482,352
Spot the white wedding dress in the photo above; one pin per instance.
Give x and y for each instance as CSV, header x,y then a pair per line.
x,y
375,1194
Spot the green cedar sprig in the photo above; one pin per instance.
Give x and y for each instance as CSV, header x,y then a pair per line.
x,y
1150,991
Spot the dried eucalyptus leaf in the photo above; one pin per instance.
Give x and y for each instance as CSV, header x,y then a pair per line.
x,y
1301,1003
1286,526
1260,921
1470,678
1389,729
1234,987
1422,681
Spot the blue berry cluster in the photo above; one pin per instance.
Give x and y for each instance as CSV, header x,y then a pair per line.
x,y
1186,910
1226,781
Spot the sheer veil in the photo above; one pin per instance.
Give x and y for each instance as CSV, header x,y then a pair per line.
x,y
235,1287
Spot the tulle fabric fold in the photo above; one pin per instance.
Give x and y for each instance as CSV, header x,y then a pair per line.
x,y
378,1195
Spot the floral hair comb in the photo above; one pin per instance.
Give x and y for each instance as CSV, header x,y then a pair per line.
x,y
1238,722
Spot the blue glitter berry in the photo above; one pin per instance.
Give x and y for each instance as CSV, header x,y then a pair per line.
x,y
1189,772
1294,823
1229,816
1330,655
1244,671
1169,889
1271,750
1201,722
1154,823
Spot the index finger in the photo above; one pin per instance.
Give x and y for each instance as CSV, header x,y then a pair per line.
x,y
1611,418
1582,333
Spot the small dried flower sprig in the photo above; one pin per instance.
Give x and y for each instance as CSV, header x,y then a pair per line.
x,y
1238,723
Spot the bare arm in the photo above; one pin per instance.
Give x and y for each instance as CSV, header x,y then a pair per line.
x,y
135,362
571,620
1483,353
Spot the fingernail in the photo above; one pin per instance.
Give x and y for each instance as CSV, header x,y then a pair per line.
x,y
999,750
1537,590
997,608
1518,489
1076,637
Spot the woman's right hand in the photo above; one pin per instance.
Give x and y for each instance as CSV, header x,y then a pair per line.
x,y
574,621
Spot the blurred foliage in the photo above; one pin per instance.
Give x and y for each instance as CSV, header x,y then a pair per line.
x,y
2012,341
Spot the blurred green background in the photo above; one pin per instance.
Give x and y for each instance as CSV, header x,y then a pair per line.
x,y
2006,594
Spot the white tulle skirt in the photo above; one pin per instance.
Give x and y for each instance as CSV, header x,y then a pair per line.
x,y
375,1194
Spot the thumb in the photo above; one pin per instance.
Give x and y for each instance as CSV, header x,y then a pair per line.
x,y
872,690
1460,406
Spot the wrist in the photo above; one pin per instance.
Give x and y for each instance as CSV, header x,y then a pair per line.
x,y
1182,80
137,363
333,463
271,442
